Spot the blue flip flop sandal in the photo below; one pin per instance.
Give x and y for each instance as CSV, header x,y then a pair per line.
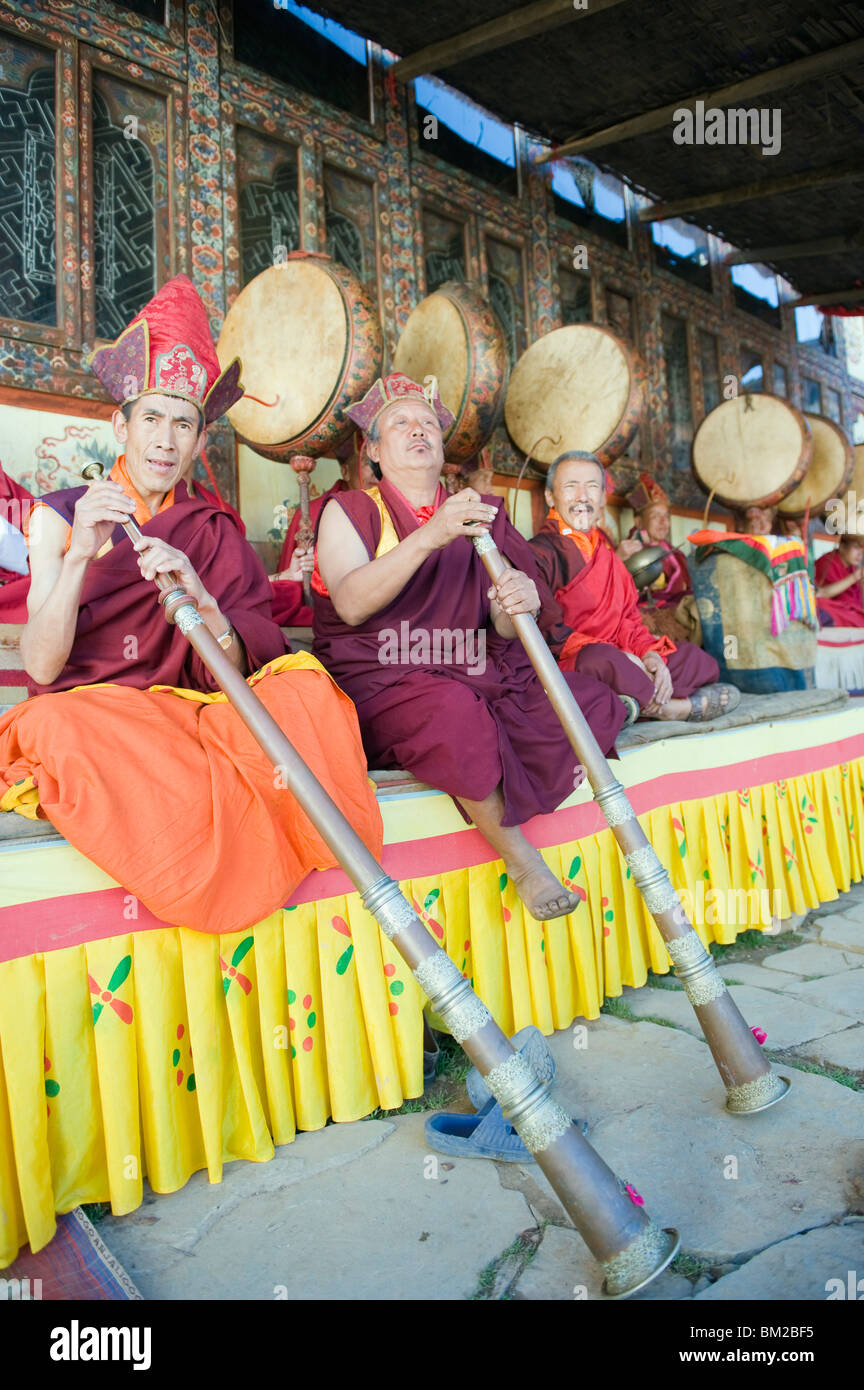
x,y
484,1135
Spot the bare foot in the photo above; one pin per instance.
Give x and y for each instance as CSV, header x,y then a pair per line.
x,y
541,892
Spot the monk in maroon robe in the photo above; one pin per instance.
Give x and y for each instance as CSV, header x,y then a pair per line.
x,y
839,575
168,791
289,607
652,527
406,621
15,504
590,615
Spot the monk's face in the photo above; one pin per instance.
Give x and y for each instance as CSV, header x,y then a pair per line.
x,y
409,444
758,521
578,493
852,551
162,440
357,473
655,520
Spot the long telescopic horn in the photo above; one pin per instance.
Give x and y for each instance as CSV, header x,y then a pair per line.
x,y
631,1248
750,1083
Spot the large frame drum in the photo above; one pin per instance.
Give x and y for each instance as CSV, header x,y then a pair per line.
x,y
578,387
751,451
830,470
308,336
454,336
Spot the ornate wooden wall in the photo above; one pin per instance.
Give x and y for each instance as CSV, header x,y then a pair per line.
x,y
226,156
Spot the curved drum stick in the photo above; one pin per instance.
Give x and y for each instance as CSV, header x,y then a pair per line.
x,y
750,1083
631,1248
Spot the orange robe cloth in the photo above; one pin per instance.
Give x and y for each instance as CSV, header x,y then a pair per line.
x,y
168,792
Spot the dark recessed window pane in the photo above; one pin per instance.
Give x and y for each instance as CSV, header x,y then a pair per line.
x,y
148,9
301,49
752,371
832,405
269,202
812,395
575,296
444,249
709,361
682,249
590,198
816,329
130,200
507,293
452,128
677,360
28,188
619,312
349,218
755,291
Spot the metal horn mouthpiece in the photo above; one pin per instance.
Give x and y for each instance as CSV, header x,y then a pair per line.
x,y
92,471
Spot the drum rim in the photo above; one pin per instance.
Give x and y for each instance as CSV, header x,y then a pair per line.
x,y
635,404
795,514
769,499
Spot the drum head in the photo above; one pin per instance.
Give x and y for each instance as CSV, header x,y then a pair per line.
x,y
309,342
577,387
829,473
454,336
751,451
434,342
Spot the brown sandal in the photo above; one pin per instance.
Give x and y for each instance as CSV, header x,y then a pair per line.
x,y
710,702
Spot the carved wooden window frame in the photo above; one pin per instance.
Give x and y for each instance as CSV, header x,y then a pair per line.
x,y
98,60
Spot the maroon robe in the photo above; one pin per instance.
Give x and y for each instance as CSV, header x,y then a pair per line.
x,y
121,635
453,725
843,610
575,596
289,610
14,503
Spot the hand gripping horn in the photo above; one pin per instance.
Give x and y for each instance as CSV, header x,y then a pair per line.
x,y
631,1248
750,1083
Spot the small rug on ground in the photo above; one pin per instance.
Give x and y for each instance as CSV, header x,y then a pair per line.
x,y
76,1264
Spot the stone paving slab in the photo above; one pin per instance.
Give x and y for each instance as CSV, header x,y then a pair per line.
x,y
564,1269
844,994
813,959
800,1268
655,1101
843,1049
841,930
747,974
763,1008
369,1226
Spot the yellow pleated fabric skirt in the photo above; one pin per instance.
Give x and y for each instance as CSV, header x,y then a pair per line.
x,y
164,1052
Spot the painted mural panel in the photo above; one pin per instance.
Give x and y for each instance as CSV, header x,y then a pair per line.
x,y
269,198
443,248
349,220
620,315
506,293
45,451
28,179
709,361
677,358
131,204
575,296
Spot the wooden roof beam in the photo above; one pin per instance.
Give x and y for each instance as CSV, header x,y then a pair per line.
x,y
795,250
522,23
746,192
853,295
772,80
